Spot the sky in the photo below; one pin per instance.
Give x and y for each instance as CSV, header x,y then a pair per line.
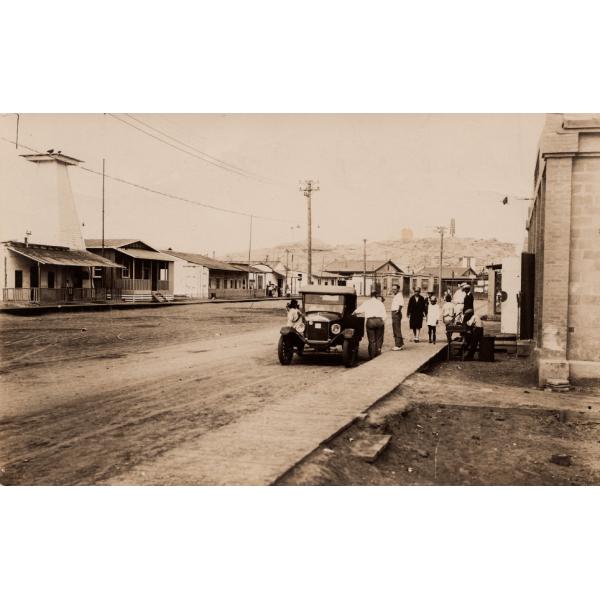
x,y
377,173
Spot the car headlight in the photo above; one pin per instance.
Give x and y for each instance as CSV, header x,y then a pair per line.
x,y
336,328
300,327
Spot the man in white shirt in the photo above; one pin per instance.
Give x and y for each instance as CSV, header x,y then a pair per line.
x,y
397,306
373,311
459,300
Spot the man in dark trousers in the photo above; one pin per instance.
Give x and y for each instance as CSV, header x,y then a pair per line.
x,y
469,300
373,311
397,306
473,334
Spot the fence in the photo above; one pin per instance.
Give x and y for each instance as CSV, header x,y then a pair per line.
x,y
226,294
60,295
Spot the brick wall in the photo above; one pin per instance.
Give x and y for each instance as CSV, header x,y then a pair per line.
x,y
584,289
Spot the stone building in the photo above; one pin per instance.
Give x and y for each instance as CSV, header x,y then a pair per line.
x,y
564,237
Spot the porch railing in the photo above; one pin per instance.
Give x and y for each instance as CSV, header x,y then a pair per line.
x,y
220,293
60,295
140,285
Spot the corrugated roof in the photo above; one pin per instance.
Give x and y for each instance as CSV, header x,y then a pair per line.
x,y
63,257
205,261
244,267
112,243
145,254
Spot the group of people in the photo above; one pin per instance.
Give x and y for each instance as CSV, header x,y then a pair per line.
x,y
457,309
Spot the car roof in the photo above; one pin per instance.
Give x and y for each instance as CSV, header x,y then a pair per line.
x,y
333,290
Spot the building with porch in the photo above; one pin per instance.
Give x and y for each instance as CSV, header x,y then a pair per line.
x,y
383,274
57,268
146,275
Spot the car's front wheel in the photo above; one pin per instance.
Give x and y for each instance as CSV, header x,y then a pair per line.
x,y
285,350
349,352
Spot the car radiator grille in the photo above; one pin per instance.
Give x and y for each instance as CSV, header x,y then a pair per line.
x,y
318,335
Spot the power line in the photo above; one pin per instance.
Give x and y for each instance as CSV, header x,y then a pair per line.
x,y
206,154
164,194
215,162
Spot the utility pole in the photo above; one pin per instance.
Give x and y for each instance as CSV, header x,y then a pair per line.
x,y
365,266
103,169
307,189
287,272
441,231
249,252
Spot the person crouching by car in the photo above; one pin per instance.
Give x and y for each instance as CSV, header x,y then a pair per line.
x,y
294,316
373,311
474,332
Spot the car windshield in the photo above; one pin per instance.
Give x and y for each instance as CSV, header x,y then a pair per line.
x,y
323,303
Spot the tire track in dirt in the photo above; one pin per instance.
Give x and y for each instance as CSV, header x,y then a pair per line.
x,y
104,434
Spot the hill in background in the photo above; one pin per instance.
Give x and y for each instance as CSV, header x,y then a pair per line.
x,y
407,254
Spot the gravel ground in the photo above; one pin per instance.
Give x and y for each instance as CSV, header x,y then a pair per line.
x,y
468,424
87,396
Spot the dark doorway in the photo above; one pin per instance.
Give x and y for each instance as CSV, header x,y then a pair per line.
x,y
34,281
154,269
18,279
527,296
51,280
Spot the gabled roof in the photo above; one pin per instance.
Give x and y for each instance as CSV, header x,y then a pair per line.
x,y
357,266
205,261
451,272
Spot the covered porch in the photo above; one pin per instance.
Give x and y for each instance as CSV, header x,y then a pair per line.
x,y
41,274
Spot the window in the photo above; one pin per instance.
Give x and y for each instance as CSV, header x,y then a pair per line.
x,y
146,270
50,279
425,284
18,279
97,273
163,272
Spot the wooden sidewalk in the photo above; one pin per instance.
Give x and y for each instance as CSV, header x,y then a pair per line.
x,y
262,446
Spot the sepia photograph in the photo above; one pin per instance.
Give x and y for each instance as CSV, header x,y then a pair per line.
x,y
300,299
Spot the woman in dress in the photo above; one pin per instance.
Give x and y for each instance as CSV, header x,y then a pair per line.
x,y
417,309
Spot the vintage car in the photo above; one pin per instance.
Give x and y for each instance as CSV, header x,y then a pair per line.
x,y
328,325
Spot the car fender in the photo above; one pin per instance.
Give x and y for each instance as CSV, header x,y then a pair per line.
x,y
287,330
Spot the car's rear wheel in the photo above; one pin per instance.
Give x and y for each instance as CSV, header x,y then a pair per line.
x,y
349,352
285,350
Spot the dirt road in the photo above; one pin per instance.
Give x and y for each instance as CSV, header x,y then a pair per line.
x,y
86,397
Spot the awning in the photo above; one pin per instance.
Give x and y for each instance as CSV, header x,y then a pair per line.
x,y
64,258
146,254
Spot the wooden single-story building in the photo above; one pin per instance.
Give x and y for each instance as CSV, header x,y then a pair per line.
x,y
383,274
50,274
146,275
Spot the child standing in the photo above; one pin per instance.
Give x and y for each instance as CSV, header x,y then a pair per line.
x,y
433,317
448,310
